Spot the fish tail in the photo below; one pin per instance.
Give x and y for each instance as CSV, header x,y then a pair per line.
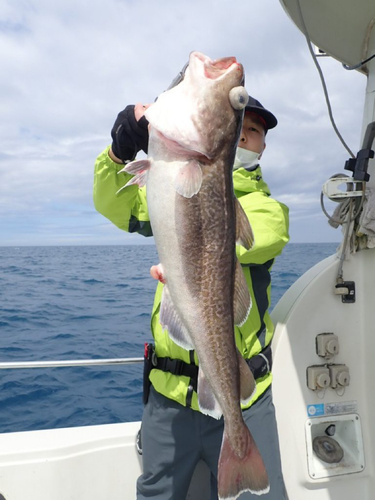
x,y
236,474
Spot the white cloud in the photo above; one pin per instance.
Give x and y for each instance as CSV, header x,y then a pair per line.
x,y
301,200
69,67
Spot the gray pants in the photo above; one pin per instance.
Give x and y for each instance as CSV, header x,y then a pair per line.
x,y
175,438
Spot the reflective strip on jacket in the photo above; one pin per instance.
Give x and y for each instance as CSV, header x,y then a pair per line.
x,y
269,221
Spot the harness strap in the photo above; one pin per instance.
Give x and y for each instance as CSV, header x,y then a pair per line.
x,y
190,389
260,365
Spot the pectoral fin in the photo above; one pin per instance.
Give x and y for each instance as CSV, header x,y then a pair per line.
x,y
170,320
189,179
242,299
136,167
139,169
244,233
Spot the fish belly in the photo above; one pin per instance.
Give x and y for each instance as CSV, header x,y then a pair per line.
x,y
192,236
161,201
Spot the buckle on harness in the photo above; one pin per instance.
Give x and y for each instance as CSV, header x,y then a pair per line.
x,y
150,354
150,361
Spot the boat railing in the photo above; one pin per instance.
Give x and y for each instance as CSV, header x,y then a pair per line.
x,y
68,363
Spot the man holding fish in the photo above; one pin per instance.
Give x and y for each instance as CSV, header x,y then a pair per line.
x,y
204,137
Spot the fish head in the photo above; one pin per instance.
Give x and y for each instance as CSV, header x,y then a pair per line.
x,y
202,114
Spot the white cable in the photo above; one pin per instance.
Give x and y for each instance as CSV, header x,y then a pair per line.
x,y
340,392
321,393
308,40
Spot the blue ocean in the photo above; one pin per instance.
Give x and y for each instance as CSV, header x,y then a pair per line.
x,y
62,303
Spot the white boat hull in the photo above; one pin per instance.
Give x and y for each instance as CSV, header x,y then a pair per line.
x,y
80,463
310,308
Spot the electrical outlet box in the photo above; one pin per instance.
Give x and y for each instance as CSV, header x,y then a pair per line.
x,y
327,345
318,377
339,375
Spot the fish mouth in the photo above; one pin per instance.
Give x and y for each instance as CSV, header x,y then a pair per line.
x,y
218,68
209,81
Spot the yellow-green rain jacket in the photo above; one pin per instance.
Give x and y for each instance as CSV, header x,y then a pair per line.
x,y
269,221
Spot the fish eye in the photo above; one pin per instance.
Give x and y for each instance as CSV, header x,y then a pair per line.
x,y
238,97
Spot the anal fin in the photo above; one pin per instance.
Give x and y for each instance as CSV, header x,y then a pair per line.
x,y
170,320
247,381
208,404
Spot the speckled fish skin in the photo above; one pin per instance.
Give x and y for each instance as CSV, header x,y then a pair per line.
x,y
196,236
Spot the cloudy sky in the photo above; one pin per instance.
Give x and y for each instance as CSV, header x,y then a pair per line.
x,y
68,67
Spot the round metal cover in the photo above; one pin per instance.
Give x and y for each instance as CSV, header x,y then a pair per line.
x,y
328,449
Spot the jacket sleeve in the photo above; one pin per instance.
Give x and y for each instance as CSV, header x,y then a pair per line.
x,y
269,220
126,209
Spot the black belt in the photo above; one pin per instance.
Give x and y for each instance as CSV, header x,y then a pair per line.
x,y
260,365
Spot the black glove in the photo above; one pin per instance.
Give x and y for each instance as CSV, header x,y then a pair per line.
x,y
129,135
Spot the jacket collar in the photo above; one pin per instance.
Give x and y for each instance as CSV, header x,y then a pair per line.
x,y
248,181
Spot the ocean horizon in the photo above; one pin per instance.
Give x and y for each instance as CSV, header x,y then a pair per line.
x,y
88,302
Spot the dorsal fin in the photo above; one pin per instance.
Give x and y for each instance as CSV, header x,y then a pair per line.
x,y
244,233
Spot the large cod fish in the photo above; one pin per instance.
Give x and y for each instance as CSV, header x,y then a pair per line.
x,y
196,221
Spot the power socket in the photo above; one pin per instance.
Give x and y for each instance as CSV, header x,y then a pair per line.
x,y
318,377
327,345
339,375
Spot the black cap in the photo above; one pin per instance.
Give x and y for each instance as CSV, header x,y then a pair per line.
x,y
256,107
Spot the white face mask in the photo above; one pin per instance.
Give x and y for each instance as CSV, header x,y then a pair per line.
x,y
245,158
